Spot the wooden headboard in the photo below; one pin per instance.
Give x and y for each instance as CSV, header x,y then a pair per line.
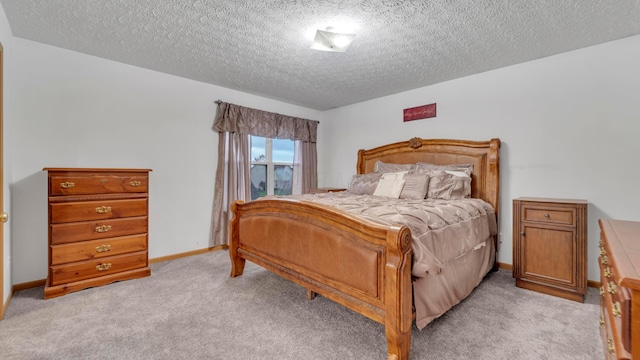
x,y
484,155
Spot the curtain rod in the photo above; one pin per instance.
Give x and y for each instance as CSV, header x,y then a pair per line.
x,y
220,101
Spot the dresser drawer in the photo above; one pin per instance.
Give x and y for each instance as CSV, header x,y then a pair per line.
x,y
549,215
617,297
96,210
97,183
90,230
607,334
61,274
95,249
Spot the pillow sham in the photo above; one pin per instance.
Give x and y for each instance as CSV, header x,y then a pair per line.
x,y
383,167
424,167
394,175
389,188
448,185
364,184
415,186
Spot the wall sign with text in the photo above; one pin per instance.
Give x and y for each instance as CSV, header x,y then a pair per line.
x,y
420,112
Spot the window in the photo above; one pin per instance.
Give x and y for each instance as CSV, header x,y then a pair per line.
x,y
271,166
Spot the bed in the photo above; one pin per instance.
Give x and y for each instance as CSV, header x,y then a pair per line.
x,y
363,263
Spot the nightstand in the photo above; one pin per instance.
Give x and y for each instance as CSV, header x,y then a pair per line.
x,y
550,246
325,190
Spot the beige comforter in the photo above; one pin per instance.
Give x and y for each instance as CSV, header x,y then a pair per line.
x,y
444,233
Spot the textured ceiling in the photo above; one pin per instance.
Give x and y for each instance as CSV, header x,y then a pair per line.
x,y
262,46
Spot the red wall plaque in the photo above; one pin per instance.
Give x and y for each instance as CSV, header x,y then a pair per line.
x,y
420,112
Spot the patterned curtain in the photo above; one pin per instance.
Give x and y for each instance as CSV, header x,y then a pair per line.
x,y
235,124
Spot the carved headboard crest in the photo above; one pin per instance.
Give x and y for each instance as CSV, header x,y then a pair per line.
x,y
415,143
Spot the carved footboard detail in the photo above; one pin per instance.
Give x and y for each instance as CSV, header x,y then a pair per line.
x,y
360,264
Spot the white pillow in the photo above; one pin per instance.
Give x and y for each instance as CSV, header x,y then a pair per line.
x,y
395,175
389,188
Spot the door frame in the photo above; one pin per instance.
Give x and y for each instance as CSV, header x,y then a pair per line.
x,y
2,303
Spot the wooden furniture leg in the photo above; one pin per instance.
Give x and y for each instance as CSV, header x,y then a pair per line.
x,y
237,262
311,294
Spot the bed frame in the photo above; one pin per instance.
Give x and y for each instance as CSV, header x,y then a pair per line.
x,y
360,264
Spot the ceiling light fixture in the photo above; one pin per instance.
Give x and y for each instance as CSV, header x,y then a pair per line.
x,y
327,40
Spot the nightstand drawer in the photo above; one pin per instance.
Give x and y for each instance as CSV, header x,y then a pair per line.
x,y
84,184
549,215
89,230
95,249
61,274
97,210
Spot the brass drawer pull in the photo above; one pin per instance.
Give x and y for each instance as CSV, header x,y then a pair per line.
x,y
67,185
103,267
610,347
617,310
547,216
103,209
135,183
612,288
103,248
103,228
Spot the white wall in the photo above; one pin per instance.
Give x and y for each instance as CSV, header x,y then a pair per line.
x,y
6,38
75,110
569,125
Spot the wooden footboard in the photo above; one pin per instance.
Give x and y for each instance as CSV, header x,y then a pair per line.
x,y
360,264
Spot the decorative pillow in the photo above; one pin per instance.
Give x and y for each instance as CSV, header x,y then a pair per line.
x,y
389,188
395,175
415,186
364,184
383,167
424,167
448,185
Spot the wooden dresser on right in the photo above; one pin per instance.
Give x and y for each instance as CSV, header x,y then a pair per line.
x,y
620,291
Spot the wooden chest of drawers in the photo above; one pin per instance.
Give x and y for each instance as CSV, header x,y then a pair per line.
x,y
98,221
620,291
550,246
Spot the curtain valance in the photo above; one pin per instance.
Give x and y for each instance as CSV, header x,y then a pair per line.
x,y
243,120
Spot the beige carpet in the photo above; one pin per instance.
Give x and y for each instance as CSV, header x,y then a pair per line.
x,y
190,309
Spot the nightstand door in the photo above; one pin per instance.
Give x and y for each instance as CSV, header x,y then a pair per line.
x,y
548,254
